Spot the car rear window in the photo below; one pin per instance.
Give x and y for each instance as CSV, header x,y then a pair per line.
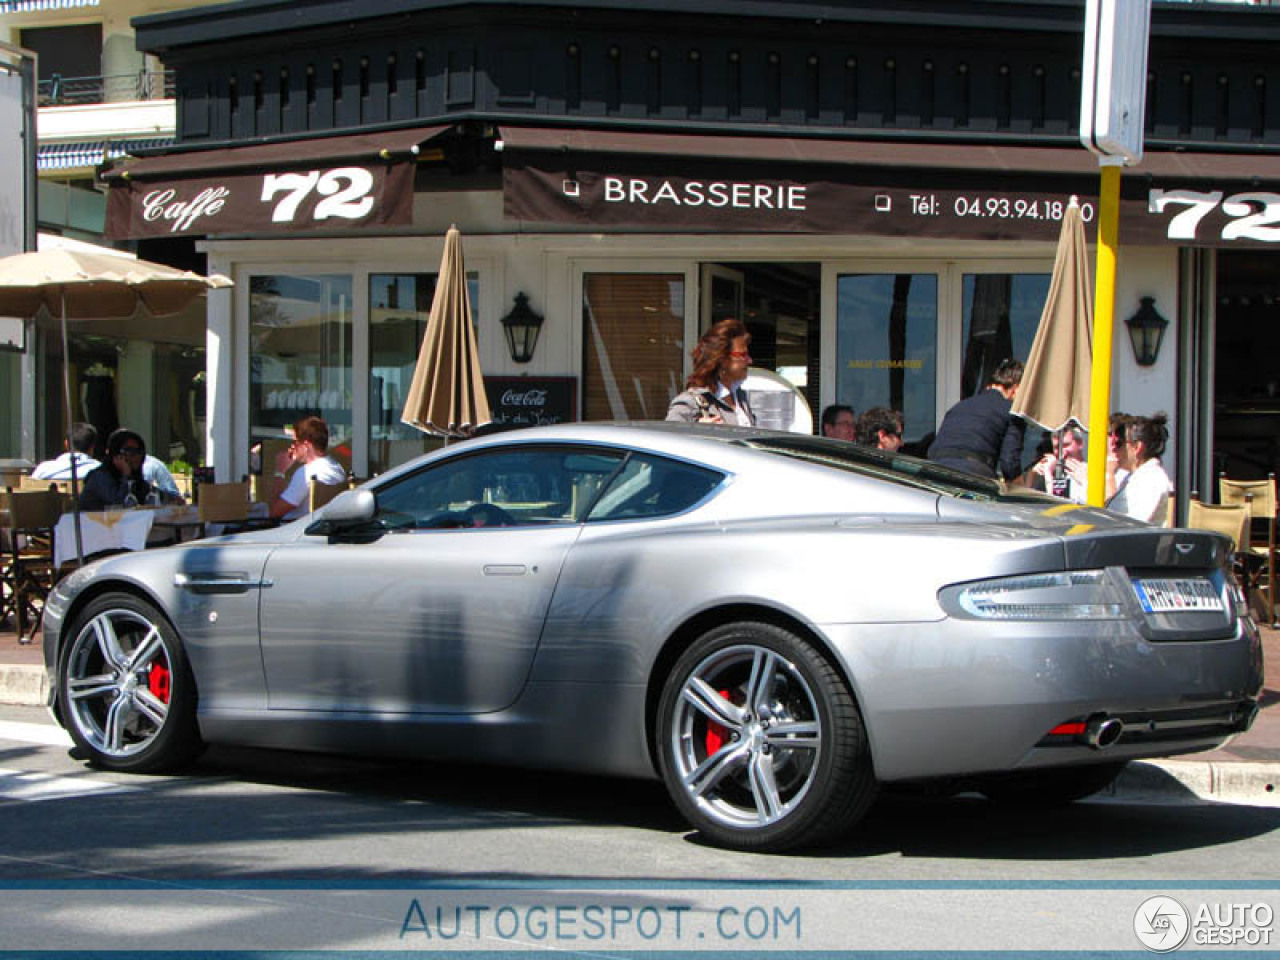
x,y
893,467
649,486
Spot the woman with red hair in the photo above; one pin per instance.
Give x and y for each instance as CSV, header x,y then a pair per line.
x,y
713,392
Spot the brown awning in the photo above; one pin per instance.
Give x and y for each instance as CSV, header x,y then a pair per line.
x,y
707,182
876,153
324,183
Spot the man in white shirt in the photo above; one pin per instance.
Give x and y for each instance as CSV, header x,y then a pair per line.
x,y
83,438
309,448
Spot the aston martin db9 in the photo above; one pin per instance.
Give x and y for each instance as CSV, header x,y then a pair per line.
x,y
773,625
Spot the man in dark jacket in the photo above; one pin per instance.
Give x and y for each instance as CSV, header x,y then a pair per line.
x,y
978,435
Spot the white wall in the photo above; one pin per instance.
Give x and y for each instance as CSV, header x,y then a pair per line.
x,y
1147,272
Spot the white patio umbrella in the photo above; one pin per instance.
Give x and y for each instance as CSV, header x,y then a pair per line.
x,y
82,285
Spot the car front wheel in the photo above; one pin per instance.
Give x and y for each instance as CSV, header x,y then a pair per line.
x,y
126,692
760,743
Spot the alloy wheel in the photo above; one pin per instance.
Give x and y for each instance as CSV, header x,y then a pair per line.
x,y
118,682
746,736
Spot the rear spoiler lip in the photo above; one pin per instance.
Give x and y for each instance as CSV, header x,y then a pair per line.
x,y
1156,547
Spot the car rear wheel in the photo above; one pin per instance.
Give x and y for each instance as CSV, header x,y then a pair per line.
x,y
127,694
1051,787
760,743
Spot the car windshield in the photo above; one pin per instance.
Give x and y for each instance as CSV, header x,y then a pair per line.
x,y
894,467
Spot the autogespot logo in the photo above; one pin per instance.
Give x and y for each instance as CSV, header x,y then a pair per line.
x,y
1161,924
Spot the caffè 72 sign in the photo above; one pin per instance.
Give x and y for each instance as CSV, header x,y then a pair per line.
x,y
267,201
1214,216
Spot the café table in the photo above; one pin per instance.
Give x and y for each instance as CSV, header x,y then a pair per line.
x,y
102,530
174,524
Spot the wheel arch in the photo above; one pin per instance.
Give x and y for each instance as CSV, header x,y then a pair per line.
x,y
686,633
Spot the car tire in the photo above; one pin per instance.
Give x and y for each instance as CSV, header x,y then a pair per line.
x,y
1047,788
760,742
126,691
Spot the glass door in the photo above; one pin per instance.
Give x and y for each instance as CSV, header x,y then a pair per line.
x,y
721,295
886,346
916,337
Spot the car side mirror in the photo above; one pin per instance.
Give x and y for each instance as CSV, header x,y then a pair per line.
x,y
349,509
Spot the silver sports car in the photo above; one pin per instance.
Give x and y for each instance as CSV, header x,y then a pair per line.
x,y
774,625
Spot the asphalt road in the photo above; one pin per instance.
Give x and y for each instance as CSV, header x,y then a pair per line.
x,y
260,819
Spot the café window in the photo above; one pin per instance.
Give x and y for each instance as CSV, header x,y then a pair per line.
x,y
886,346
300,357
399,307
633,344
1001,314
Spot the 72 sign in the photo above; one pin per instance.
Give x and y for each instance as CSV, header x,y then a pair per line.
x,y
1253,215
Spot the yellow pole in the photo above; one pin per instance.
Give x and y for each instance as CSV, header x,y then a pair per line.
x,y
1103,324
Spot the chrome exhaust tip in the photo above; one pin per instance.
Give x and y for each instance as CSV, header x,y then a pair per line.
x,y
1102,731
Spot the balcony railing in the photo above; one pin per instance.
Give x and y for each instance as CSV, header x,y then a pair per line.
x,y
60,91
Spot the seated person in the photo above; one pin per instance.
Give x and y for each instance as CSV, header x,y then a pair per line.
x,y
838,421
157,474
309,448
118,482
84,437
881,428
1062,470
1144,492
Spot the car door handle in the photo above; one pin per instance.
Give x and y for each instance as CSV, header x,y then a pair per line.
x,y
504,569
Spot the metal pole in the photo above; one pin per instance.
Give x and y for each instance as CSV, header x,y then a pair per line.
x,y
71,450
1103,324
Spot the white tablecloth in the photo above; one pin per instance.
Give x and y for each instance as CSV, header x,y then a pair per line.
x,y
101,530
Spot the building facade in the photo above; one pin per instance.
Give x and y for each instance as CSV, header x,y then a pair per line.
x,y
98,98
874,187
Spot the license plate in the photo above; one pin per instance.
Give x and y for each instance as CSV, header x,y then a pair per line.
x,y
1177,595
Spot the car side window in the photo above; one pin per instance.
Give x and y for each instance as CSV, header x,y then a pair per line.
x,y
649,486
508,487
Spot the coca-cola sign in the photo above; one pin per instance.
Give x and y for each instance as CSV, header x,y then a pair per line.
x,y
532,401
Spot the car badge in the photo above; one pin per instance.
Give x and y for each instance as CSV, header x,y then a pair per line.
x,y
1184,548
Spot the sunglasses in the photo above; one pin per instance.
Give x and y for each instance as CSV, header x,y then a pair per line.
x,y
131,451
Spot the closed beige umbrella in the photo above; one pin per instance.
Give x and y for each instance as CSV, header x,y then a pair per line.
x,y
447,395
1055,382
76,284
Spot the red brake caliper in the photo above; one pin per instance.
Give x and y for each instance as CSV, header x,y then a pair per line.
x,y
716,732
158,682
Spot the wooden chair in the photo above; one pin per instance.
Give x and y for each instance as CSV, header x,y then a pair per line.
x,y
1259,547
1231,519
322,493
222,503
27,569
30,483
183,480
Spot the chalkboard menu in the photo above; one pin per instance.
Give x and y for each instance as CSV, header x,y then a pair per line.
x,y
532,401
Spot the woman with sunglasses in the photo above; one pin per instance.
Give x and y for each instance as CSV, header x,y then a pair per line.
x,y
118,482
714,391
1144,490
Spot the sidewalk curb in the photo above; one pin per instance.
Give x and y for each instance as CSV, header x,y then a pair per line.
x,y
1251,784
23,684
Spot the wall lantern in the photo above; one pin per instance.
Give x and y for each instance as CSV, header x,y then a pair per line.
x,y
1146,330
522,326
